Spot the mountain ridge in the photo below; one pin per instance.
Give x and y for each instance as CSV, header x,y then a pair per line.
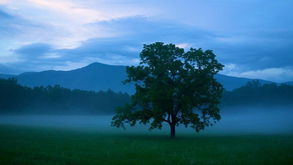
x,y
97,76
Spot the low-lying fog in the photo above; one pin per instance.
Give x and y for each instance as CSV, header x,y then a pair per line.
x,y
242,121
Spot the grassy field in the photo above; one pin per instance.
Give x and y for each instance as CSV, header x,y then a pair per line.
x,y
33,145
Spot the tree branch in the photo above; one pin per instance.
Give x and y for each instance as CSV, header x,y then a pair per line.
x,y
166,121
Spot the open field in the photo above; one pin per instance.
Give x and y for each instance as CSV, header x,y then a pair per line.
x,y
37,145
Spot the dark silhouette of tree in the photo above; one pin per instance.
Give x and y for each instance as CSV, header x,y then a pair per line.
x,y
259,95
173,87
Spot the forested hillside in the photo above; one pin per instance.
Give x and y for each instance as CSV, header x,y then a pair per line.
x,y
15,98
261,95
55,99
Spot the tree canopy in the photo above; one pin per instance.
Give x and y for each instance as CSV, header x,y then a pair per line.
x,y
173,86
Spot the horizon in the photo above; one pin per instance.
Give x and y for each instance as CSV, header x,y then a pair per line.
x,y
127,65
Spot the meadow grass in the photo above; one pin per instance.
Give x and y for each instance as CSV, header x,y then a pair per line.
x,y
44,146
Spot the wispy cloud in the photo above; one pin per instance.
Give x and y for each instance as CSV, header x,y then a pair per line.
x,y
271,74
68,22
252,38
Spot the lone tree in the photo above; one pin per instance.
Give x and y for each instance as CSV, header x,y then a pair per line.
x,y
172,86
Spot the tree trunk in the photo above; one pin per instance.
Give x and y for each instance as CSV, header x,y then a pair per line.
x,y
172,128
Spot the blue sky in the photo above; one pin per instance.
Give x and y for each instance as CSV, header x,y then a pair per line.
x,y
253,38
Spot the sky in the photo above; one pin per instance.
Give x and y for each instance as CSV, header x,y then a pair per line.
x,y
252,38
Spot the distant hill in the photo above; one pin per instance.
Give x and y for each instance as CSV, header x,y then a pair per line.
x,y
289,83
97,76
231,83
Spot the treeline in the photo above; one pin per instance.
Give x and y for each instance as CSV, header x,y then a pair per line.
x,y
15,98
260,95
56,100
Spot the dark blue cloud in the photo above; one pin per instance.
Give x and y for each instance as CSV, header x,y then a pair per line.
x,y
105,47
34,50
15,26
4,15
258,49
251,51
7,23
11,25
137,31
263,52
143,30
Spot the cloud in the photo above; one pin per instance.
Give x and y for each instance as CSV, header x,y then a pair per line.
x,y
259,49
9,24
34,50
146,30
66,23
122,50
4,15
183,45
77,12
258,53
271,74
246,54
249,37
40,56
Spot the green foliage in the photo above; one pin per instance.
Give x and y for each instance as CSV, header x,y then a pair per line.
x,y
55,99
173,86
